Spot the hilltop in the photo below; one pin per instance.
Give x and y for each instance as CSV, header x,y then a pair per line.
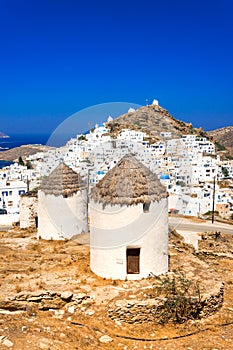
x,y
154,119
224,136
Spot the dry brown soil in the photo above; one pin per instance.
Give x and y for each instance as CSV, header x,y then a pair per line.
x,y
28,265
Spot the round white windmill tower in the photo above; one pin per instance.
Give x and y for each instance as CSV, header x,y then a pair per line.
x,y
62,205
129,223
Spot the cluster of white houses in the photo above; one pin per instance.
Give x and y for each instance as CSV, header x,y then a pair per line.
x,y
186,166
121,189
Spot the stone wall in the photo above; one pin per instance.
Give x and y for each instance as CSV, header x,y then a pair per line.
x,y
154,310
42,300
28,211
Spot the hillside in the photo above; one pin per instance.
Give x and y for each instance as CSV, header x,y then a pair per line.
x,y
224,136
154,119
22,151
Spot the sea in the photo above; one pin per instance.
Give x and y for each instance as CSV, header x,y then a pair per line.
x,y
19,140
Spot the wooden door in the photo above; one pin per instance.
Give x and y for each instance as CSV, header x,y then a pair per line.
x,y
133,260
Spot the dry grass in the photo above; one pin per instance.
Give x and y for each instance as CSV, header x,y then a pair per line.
x,y
18,288
48,265
63,181
128,183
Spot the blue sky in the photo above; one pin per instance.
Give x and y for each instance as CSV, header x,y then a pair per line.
x,y
60,56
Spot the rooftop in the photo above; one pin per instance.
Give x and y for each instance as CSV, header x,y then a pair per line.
x,y
128,183
62,181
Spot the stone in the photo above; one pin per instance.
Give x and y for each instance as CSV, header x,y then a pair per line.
x,y
6,342
51,304
81,296
67,296
24,328
71,309
43,346
105,339
7,312
59,312
90,312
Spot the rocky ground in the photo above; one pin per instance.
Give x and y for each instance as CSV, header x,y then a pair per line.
x,y
224,136
153,120
51,300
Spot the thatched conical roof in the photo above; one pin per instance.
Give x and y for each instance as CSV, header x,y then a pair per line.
x,y
128,183
63,181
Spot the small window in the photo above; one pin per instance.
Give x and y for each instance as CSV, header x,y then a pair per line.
x,y
146,207
21,192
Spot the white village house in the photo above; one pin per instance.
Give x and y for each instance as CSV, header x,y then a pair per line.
x,y
62,205
129,223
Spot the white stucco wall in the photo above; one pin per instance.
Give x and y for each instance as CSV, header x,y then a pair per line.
x,y
62,218
116,228
8,219
28,208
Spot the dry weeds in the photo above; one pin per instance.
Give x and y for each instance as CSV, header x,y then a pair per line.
x,y
28,265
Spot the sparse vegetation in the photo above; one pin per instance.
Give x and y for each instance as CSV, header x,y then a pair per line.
x,y
20,161
18,288
210,212
82,138
225,171
29,165
20,254
180,183
183,299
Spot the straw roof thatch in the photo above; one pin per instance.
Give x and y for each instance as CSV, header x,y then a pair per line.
x,y
63,181
128,183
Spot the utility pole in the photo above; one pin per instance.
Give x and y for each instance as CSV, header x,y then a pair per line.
x,y
213,202
28,183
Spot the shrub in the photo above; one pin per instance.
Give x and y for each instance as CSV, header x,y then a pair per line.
x,y
182,297
20,161
219,146
225,171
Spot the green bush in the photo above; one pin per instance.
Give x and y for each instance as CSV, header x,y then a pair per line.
x,y
20,161
219,146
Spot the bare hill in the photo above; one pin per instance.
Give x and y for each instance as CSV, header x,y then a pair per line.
x,y
22,151
224,136
154,119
